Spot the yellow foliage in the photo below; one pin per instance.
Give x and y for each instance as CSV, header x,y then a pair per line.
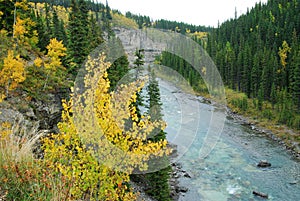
x,y
283,53
203,70
56,50
23,28
5,131
62,12
22,5
200,34
13,71
19,28
121,20
95,150
38,62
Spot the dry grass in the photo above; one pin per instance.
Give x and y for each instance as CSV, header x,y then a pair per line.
x,y
22,175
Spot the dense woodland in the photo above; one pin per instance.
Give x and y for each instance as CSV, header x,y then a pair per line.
x,y
257,54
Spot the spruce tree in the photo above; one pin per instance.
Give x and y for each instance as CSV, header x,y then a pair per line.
x,y
43,34
138,64
273,95
78,34
58,31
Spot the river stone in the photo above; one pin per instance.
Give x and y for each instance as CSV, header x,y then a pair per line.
x,y
187,175
293,182
264,163
181,189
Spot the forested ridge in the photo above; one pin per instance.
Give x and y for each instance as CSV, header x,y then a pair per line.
x,y
257,54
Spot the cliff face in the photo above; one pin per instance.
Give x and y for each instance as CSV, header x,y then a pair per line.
x,y
32,115
133,39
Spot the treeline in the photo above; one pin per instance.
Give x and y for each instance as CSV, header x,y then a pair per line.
x,y
180,27
92,5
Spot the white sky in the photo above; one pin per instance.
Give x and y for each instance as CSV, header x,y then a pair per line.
x,y
197,12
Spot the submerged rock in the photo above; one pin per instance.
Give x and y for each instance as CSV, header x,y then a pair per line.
x,y
264,163
293,182
260,194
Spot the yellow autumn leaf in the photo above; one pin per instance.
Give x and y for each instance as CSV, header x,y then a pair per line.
x,y
38,62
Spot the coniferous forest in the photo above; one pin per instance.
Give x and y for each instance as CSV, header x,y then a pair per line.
x,y
45,43
256,54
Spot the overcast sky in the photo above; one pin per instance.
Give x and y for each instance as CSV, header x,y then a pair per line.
x,y
198,12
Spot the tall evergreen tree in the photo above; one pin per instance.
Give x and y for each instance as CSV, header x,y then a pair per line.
x,y
58,30
78,34
138,64
43,34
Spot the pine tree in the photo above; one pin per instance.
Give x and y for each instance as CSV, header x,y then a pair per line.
x,y
95,33
139,62
48,21
118,69
273,95
58,30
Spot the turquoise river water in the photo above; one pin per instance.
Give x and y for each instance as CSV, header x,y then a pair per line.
x,y
229,171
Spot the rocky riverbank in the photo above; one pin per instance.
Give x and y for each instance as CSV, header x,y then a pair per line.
x,y
176,190
292,147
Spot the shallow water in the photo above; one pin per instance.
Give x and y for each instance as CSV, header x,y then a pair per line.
x,y
229,171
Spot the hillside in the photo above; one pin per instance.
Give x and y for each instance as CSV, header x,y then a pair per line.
x,y
44,45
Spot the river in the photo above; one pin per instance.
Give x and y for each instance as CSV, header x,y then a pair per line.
x,y
229,172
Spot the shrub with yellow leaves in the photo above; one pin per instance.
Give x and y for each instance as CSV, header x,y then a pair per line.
x,y
101,142
11,74
56,50
24,31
